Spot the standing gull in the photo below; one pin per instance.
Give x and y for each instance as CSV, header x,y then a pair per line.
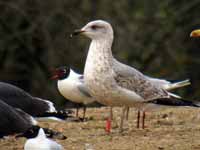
x,y
113,83
71,85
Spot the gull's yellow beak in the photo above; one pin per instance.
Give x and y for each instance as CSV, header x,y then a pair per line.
x,y
195,33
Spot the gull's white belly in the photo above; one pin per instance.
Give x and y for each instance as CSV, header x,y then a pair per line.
x,y
106,92
69,89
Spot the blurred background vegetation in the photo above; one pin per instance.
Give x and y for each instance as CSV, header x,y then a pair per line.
x,y
152,36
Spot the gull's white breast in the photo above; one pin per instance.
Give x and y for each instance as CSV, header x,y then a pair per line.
x,y
69,89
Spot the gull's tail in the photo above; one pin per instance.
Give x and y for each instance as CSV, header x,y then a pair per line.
x,y
176,85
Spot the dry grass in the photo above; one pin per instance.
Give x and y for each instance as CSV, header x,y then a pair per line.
x,y
170,129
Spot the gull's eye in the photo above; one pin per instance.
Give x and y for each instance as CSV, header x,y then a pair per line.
x,y
94,27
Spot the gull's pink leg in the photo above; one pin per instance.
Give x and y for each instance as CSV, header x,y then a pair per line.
x,y
109,121
108,125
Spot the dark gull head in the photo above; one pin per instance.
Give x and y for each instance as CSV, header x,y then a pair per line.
x,y
61,73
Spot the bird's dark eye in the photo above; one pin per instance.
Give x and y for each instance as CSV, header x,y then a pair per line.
x,y
94,27
66,71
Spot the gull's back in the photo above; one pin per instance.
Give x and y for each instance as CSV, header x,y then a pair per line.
x,y
131,79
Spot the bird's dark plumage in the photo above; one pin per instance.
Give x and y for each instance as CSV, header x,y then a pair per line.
x,y
175,102
12,120
34,106
19,98
16,121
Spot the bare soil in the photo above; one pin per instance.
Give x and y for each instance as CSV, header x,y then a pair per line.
x,y
169,129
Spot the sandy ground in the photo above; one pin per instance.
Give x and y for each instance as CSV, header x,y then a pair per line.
x,y
169,129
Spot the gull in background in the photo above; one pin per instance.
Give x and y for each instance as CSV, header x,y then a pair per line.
x,y
71,85
115,84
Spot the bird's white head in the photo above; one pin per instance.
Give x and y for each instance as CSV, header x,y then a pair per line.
x,y
96,30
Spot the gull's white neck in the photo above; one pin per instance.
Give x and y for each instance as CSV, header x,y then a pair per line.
x,y
99,55
101,47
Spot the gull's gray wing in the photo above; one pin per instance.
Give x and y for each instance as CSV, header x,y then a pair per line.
x,y
84,90
133,80
81,87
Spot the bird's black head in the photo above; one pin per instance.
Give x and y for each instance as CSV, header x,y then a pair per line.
x,y
60,73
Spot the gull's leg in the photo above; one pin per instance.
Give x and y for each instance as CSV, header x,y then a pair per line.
x,y
127,113
138,119
143,120
111,113
122,119
108,125
77,109
84,111
109,120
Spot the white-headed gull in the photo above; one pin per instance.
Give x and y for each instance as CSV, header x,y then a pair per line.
x,y
115,84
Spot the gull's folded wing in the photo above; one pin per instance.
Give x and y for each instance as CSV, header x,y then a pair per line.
x,y
133,80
